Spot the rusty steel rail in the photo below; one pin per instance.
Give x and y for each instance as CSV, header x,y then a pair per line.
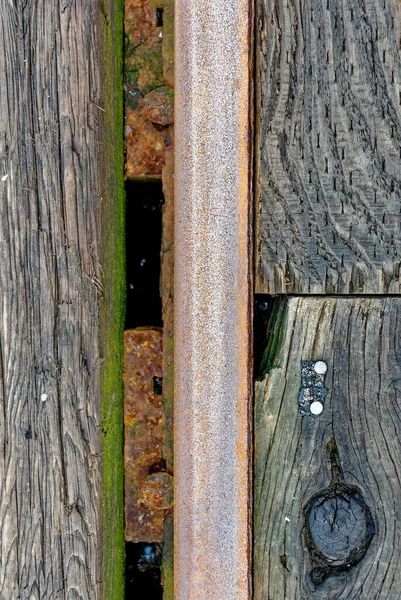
x,y
213,282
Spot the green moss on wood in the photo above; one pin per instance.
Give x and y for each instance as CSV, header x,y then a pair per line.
x,y
113,305
275,328
168,559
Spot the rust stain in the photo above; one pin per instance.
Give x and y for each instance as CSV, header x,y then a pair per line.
x,y
158,106
145,145
140,20
147,493
157,491
148,79
143,56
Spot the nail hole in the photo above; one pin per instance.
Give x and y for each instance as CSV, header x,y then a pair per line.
x,y
157,386
159,16
158,467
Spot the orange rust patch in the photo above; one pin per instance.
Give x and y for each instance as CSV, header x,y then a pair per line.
x,y
145,145
158,491
148,78
158,106
143,436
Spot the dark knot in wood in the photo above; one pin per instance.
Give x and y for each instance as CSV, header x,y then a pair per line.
x,y
338,529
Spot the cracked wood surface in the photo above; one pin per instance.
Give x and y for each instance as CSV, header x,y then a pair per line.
x,y
50,430
329,147
360,341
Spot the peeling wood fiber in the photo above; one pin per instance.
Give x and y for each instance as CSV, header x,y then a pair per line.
x,y
329,147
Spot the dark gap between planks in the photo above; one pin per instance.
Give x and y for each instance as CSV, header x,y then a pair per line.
x,y
144,309
143,245
263,308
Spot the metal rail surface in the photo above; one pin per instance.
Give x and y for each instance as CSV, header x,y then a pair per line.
x,y
213,283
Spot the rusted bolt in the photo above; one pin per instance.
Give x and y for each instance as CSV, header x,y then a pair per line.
x,y
158,491
158,106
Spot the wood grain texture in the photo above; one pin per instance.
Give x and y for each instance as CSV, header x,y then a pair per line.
x,y
329,146
50,286
360,341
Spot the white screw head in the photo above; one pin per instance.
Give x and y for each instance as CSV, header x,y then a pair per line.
x,y
316,408
320,367
43,397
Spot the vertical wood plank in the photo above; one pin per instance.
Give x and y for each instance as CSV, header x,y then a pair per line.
x,y
356,438
329,147
112,315
52,118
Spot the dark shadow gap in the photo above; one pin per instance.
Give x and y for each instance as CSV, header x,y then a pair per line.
x,y
143,245
144,309
263,305
143,564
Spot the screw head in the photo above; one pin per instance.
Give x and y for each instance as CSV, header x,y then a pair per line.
x,y
316,408
320,367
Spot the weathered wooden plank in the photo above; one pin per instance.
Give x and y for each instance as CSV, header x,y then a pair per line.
x,y
57,120
356,440
329,146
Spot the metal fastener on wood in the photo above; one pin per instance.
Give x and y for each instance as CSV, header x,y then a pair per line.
x,y
313,391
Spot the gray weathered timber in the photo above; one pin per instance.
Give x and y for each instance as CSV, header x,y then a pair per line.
x,y
50,286
329,147
355,442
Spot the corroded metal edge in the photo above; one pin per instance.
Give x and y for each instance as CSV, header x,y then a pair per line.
x,y
213,281
143,433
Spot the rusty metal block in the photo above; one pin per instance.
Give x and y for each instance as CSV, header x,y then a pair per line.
x,y
145,145
143,45
148,81
148,488
157,491
158,106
